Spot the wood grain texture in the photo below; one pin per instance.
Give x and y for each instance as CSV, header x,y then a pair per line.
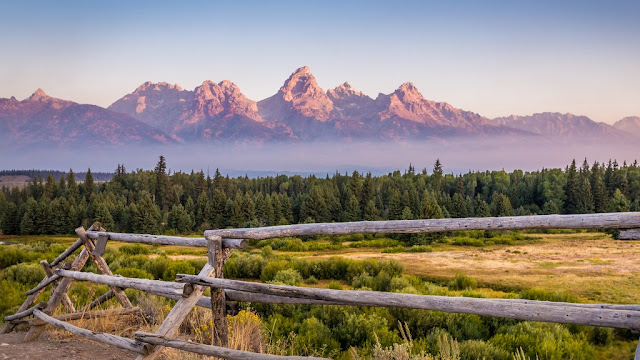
x,y
587,221
166,240
530,310
211,350
114,340
102,266
630,234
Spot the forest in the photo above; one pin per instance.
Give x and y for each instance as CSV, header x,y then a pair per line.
x,y
145,201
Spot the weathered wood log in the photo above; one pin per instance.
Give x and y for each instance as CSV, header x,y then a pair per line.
x,y
586,221
61,289
65,254
178,313
219,332
89,315
25,313
100,300
630,234
533,311
103,267
124,282
211,350
166,240
68,304
114,340
43,284
637,355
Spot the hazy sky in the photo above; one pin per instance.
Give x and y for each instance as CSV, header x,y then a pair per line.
x,y
493,57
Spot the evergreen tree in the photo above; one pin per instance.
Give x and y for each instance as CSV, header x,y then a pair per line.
x,y
482,208
103,215
371,212
88,185
50,187
352,211
572,190
180,220
501,205
436,177
585,198
619,202
162,185
145,215
459,206
598,190
550,208
29,222
395,206
429,208
10,219
72,186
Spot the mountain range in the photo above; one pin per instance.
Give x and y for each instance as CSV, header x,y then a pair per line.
x,y
162,113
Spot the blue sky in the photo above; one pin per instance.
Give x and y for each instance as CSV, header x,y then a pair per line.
x,y
493,57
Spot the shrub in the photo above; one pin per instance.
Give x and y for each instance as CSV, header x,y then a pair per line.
x,y
335,285
543,295
29,274
134,249
420,249
311,280
133,273
462,282
552,341
314,338
178,267
287,277
476,349
394,249
157,266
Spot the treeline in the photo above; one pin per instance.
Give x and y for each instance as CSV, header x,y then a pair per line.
x,y
57,174
158,202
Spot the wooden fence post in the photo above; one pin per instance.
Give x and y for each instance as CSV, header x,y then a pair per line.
x,y
219,330
102,266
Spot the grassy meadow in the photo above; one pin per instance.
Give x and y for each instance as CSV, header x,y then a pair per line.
x,y
571,266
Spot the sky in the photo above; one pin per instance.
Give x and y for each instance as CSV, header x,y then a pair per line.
x,y
495,58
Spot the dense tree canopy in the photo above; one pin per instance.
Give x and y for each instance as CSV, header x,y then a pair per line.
x,y
157,201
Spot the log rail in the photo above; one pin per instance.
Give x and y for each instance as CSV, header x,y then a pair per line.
x,y
188,289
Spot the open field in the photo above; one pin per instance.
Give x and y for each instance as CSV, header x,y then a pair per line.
x,y
592,266
566,266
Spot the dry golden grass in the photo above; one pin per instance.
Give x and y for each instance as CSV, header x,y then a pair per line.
x,y
592,266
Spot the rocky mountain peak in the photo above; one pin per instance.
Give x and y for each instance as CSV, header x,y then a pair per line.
x,y
407,92
343,91
38,95
305,96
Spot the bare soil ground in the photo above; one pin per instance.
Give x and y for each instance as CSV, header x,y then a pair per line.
x,y
12,346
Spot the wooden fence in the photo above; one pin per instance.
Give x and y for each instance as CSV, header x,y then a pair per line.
x,y
188,289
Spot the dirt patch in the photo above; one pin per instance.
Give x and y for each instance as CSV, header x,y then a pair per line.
x,y
13,346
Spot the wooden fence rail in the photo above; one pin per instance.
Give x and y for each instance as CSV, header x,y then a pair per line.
x,y
188,289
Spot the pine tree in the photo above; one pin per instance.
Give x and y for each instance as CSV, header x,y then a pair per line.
x,y
459,206
103,215
162,185
352,211
72,186
619,202
585,198
29,222
571,190
598,190
10,219
429,208
180,220
550,208
482,208
501,205
50,187
88,185
436,177
371,212
146,215
395,206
